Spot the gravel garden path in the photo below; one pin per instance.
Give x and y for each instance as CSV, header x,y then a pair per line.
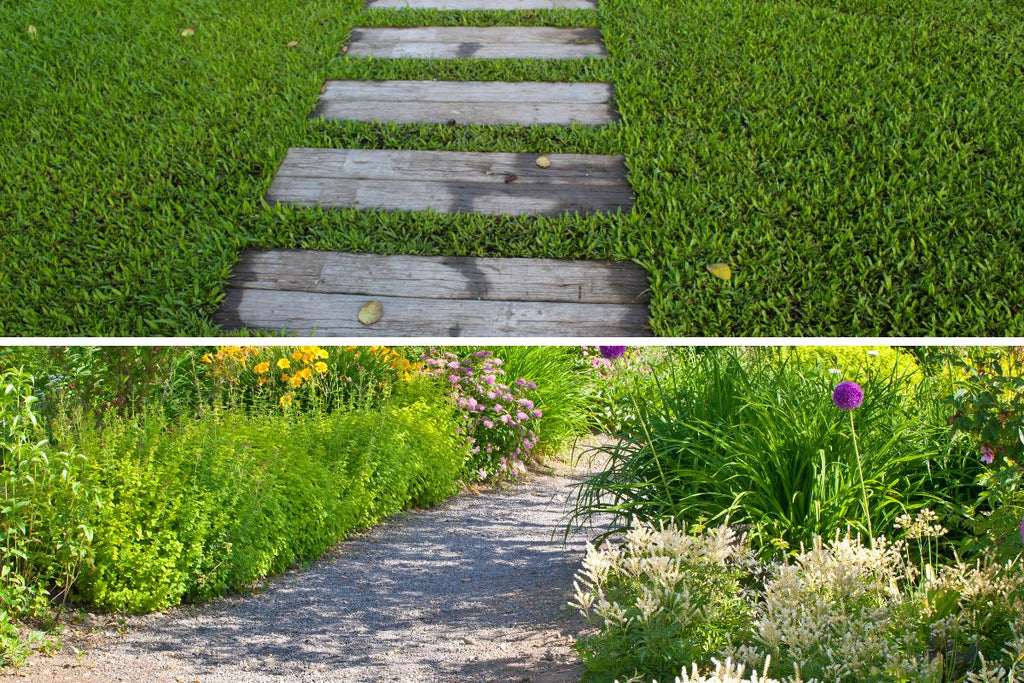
x,y
472,590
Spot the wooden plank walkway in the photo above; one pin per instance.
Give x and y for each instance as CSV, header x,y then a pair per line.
x,y
324,293
482,4
477,42
460,102
308,292
451,182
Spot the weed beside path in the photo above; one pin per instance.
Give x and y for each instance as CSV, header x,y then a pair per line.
x,y
473,590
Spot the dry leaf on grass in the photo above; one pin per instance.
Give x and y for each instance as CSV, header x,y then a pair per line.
x,y
720,270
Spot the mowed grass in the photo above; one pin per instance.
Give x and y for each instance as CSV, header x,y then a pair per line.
x,y
859,163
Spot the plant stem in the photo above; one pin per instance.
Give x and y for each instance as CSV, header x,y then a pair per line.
x,y
863,488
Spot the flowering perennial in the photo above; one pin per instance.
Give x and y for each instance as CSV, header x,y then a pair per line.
x,y
837,612
500,417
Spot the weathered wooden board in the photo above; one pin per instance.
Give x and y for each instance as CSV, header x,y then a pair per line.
x,y
451,277
467,102
321,293
451,182
482,4
485,42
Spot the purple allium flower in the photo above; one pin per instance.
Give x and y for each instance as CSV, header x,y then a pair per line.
x,y
988,456
612,352
537,413
848,395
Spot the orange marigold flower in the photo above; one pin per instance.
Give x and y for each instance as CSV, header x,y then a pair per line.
x,y
320,367
260,368
295,381
284,364
304,373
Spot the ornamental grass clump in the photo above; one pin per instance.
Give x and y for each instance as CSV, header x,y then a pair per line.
x,y
500,417
662,598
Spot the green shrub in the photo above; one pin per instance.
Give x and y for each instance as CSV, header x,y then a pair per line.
x,y
45,517
857,363
193,509
989,411
740,436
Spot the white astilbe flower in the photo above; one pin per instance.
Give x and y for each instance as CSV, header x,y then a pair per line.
x,y
728,672
835,606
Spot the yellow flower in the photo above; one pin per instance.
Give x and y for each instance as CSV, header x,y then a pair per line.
x,y
285,400
207,358
260,368
284,376
262,381
320,367
297,354
295,381
321,353
304,373
284,364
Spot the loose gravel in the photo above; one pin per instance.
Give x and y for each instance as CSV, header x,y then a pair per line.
x,y
475,589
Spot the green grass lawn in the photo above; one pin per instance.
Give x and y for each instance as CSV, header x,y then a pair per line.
x,y
859,163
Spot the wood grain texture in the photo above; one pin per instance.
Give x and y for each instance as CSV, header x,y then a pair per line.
x,y
461,102
308,314
308,292
483,42
520,279
451,182
482,4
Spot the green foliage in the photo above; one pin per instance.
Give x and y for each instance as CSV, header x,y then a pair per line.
x,y
989,404
615,388
742,436
560,394
194,509
858,363
45,517
831,151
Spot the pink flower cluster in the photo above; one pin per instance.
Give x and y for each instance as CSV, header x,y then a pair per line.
x,y
500,417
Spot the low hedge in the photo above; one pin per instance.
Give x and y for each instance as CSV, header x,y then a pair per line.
x,y
192,510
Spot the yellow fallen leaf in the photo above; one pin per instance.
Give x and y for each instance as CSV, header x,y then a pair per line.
x,y
293,43
187,32
371,312
720,270
543,162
